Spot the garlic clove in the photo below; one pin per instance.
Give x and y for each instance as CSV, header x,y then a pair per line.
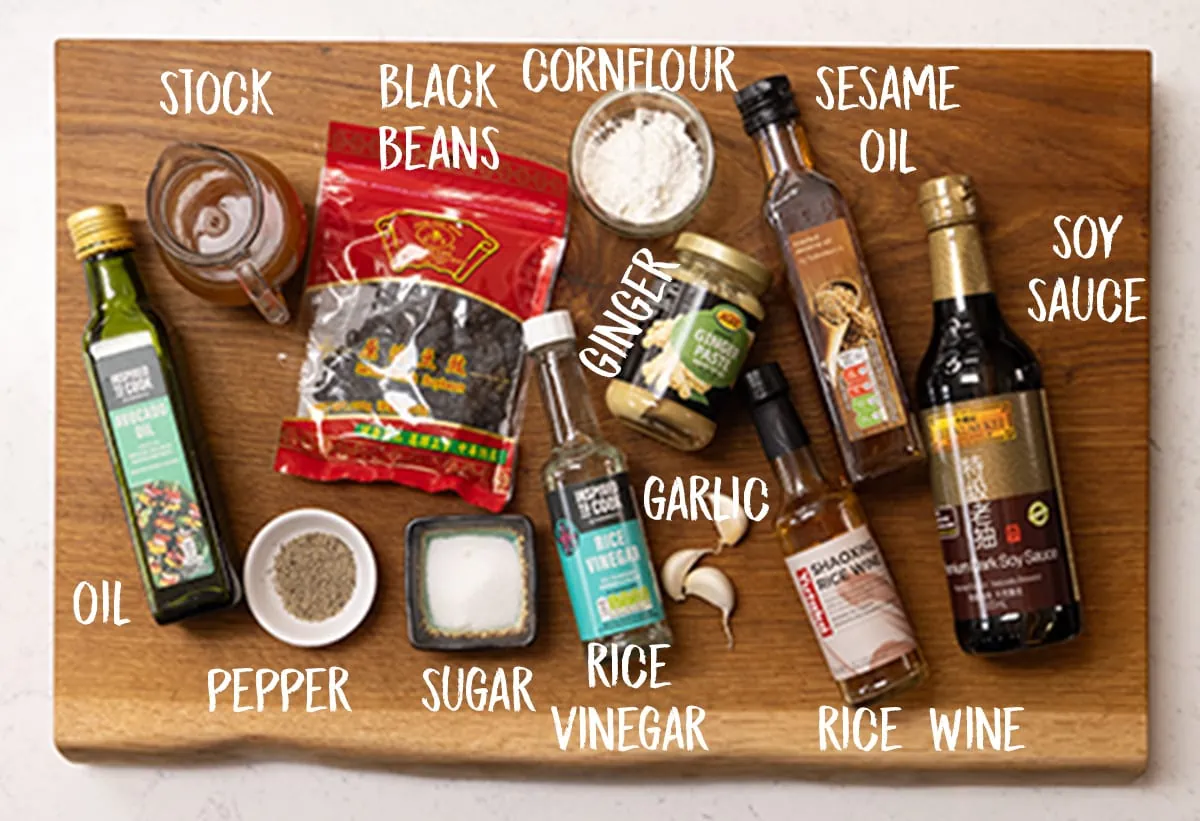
x,y
711,585
730,520
676,568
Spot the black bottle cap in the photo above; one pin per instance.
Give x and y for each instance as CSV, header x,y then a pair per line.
x,y
766,101
779,427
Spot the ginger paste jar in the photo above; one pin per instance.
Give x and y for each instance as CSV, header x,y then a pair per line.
x,y
685,363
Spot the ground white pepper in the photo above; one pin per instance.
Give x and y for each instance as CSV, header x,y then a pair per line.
x,y
314,575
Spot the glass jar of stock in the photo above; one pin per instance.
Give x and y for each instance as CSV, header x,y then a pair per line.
x,y
229,226
680,372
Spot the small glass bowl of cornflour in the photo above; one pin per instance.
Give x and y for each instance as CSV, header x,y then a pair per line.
x,y
641,161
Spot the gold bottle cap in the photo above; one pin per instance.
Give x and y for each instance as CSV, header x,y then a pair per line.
x,y
100,228
753,270
946,201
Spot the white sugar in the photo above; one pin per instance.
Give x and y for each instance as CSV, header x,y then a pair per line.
x,y
643,168
474,583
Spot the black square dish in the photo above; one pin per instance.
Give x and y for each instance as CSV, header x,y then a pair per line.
x,y
470,582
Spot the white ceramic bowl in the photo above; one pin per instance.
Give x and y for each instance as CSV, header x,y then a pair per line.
x,y
265,603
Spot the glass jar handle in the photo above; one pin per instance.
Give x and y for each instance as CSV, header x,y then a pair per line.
x,y
266,299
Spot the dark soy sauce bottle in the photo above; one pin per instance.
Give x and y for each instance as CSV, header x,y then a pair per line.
x,y
994,473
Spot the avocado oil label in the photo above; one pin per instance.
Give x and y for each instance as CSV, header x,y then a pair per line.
x,y
145,434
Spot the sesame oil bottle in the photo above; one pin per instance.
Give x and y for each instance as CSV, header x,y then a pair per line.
x,y
847,340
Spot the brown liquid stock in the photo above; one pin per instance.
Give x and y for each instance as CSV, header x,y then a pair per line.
x,y
205,205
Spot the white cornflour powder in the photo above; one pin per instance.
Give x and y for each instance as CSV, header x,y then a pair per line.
x,y
643,168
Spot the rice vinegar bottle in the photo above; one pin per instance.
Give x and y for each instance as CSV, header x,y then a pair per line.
x,y
597,528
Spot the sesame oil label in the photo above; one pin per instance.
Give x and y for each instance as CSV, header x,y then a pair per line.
x,y
845,332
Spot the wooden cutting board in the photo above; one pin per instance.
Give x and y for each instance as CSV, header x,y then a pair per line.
x,y
1043,133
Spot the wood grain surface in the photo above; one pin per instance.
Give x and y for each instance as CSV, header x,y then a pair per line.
x,y
1042,132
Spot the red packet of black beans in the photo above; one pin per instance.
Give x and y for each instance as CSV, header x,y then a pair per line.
x,y
418,283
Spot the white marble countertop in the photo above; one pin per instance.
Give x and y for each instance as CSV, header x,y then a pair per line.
x,y
35,783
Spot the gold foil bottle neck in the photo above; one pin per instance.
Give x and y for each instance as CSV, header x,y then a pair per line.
x,y
100,228
946,201
951,213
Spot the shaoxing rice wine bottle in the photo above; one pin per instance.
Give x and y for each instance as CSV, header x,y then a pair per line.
x,y
996,490
838,570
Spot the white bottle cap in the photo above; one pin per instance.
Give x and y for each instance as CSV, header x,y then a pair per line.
x,y
546,329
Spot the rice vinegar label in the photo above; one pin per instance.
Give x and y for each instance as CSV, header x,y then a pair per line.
x,y
846,334
607,567
171,529
852,603
998,505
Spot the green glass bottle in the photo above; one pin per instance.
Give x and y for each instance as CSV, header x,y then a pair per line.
x,y
169,506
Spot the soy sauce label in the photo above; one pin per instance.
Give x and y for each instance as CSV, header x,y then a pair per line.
x,y
1005,555
145,434
998,505
602,547
691,349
